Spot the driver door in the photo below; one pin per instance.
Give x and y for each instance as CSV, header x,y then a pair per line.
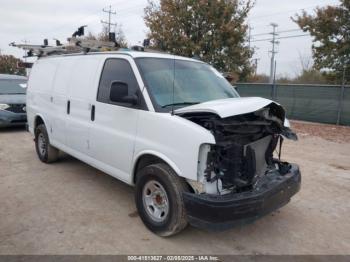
x,y
114,126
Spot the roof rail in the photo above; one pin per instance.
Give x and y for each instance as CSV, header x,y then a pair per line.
x,y
76,44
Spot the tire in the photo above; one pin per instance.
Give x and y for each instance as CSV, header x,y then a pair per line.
x,y
174,218
44,150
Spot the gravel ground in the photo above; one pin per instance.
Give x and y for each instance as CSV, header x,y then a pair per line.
x,y
332,133
71,208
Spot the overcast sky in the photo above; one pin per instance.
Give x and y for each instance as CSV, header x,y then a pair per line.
x,y
34,20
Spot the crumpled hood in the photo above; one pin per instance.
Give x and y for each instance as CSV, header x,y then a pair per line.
x,y
13,99
228,107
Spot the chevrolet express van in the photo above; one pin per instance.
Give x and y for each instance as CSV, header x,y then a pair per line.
x,y
171,126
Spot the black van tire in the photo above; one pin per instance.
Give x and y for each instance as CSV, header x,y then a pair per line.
x,y
174,186
44,150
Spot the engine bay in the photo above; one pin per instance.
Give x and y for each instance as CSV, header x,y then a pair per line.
x,y
245,146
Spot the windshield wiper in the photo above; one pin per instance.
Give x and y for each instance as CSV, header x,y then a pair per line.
x,y
181,104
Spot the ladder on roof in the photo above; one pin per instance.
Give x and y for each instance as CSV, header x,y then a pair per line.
x,y
76,44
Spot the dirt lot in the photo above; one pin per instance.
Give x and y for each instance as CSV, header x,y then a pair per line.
x,y
71,208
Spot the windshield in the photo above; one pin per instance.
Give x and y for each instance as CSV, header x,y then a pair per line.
x,y
182,83
8,86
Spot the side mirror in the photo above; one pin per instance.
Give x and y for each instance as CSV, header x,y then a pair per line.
x,y
120,93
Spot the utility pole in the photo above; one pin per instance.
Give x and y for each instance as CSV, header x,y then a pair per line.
x,y
250,28
110,13
341,99
25,41
273,51
274,82
256,60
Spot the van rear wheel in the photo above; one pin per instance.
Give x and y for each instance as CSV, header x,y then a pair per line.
x,y
159,199
44,150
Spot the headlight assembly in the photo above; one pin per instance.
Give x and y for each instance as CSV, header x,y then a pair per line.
x,y
4,106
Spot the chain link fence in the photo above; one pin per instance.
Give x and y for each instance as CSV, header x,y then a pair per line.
x,y
317,103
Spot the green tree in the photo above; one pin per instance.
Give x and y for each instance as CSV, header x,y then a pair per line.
x,y
8,65
330,29
213,30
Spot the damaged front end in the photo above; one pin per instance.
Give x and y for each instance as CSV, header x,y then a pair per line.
x,y
241,167
244,147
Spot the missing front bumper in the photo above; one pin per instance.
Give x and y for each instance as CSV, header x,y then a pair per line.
x,y
222,212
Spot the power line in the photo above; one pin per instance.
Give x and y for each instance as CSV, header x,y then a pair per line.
x,y
279,32
289,30
293,36
286,12
282,37
130,9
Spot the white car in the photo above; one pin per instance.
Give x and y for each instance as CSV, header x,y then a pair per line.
x,y
173,127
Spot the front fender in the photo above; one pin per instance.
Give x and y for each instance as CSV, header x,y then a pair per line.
x,y
174,139
158,155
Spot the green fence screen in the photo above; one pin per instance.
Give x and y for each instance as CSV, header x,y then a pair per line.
x,y
316,103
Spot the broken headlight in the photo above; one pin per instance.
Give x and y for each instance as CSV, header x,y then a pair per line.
x,y
4,106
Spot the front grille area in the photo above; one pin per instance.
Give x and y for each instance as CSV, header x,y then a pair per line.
x,y
16,108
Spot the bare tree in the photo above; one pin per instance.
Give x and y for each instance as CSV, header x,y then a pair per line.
x,y
305,61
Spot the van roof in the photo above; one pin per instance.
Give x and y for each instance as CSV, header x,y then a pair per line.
x,y
134,54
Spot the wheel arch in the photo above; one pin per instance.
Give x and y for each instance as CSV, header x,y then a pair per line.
x,y
146,158
38,120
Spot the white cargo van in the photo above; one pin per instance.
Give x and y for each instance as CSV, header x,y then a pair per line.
x,y
172,126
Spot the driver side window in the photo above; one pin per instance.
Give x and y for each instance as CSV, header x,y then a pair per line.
x,y
118,70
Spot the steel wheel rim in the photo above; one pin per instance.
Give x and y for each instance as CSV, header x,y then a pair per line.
x,y
155,201
42,144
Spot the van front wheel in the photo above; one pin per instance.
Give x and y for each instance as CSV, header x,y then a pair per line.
x,y
159,199
44,150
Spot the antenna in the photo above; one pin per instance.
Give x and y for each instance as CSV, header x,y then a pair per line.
x,y
173,95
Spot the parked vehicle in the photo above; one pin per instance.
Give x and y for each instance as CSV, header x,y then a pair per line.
x,y
173,127
12,100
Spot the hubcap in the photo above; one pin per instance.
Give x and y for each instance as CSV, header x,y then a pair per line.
x,y
41,144
155,201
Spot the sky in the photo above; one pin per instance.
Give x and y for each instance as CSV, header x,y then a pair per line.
x,y
32,21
